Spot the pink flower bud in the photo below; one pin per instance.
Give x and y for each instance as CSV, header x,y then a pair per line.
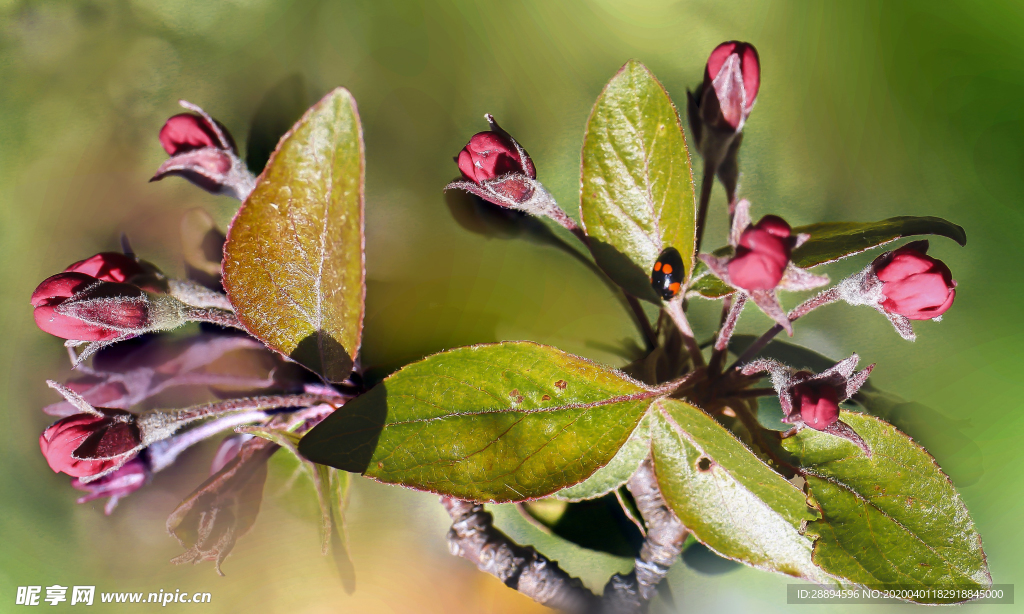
x,y
132,476
762,255
108,266
731,80
187,132
914,285
84,445
489,155
818,404
203,152
82,308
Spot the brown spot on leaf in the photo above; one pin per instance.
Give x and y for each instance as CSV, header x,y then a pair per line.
x,y
704,464
515,396
560,384
545,398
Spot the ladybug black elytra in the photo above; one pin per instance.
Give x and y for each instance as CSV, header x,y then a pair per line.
x,y
667,276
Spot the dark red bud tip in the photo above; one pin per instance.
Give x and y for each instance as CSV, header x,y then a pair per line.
x,y
84,445
775,225
108,266
915,285
186,132
762,256
489,155
818,404
733,77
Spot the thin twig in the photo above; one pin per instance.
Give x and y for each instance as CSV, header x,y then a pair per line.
x,y
674,309
706,185
650,337
157,425
732,307
549,207
824,298
162,454
213,315
474,538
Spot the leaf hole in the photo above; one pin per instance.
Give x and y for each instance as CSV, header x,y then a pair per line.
x,y
704,464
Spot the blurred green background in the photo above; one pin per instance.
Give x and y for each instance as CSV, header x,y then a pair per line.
x,y
866,110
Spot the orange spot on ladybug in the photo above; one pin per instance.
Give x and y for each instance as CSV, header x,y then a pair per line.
x,y
657,266
674,287
560,384
667,269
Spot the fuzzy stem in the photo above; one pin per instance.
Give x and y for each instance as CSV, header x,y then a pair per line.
x,y
674,309
661,549
732,307
213,315
196,295
553,211
549,207
824,298
474,538
163,453
158,425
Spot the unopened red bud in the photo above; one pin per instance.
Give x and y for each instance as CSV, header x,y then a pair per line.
x,y
818,404
186,132
762,255
775,225
489,155
732,77
108,266
85,445
915,285
203,152
79,307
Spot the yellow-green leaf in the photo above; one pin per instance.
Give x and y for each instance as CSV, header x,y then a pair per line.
x,y
293,261
893,518
637,194
731,501
503,422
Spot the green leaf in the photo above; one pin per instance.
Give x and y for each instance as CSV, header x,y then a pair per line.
x,y
503,422
293,261
942,436
637,193
709,286
731,501
831,241
618,471
892,518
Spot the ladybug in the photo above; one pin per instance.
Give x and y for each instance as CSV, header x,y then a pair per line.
x,y
667,276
